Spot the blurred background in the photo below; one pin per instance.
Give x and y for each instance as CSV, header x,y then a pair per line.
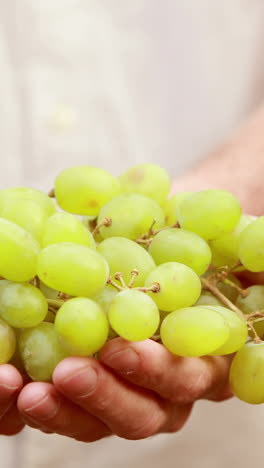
x,y
113,83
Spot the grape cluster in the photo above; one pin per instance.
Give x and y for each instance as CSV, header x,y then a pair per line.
x,y
101,257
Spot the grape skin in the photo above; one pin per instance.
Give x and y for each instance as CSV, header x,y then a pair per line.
x,y
124,255
18,252
225,250
208,298
131,215
82,326
83,190
251,240
22,305
148,179
73,269
210,213
179,286
247,373
179,245
7,342
40,351
65,227
26,193
253,302
238,331
194,331
134,315
171,206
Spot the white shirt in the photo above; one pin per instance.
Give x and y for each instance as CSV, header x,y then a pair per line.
x,y
112,83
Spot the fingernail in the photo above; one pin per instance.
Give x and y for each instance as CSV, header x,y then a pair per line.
x,y
81,384
44,409
126,361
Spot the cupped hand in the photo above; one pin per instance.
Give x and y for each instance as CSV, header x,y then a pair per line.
x,y
11,383
135,390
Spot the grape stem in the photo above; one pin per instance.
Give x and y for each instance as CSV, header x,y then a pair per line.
x,y
119,277
105,222
242,292
114,284
155,288
134,274
249,318
51,193
149,236
156,338
252,328
215,291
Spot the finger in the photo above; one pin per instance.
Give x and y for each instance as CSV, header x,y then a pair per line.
x,y
128,411
11,383
11,423
181,380
44,408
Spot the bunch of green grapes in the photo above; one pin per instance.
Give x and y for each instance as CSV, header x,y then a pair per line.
x,y
101,257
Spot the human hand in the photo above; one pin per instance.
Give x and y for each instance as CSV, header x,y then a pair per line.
x,y
119,394
11,383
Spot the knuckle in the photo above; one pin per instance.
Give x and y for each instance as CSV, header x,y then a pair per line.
x,y
103,400
191,389
147,428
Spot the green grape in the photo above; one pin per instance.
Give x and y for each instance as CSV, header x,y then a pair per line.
x,y
18,252
171,206
7,342
194,331
104,299
84,190
124,255
179,286
178,245
29,213
148,179
82,326
247,373
48,292
132,215
210,213
40,351
251,240
134,315
208,298
253,301
65,227
22,305
16,359
73,269
26,193
225,249
238,331
228,290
